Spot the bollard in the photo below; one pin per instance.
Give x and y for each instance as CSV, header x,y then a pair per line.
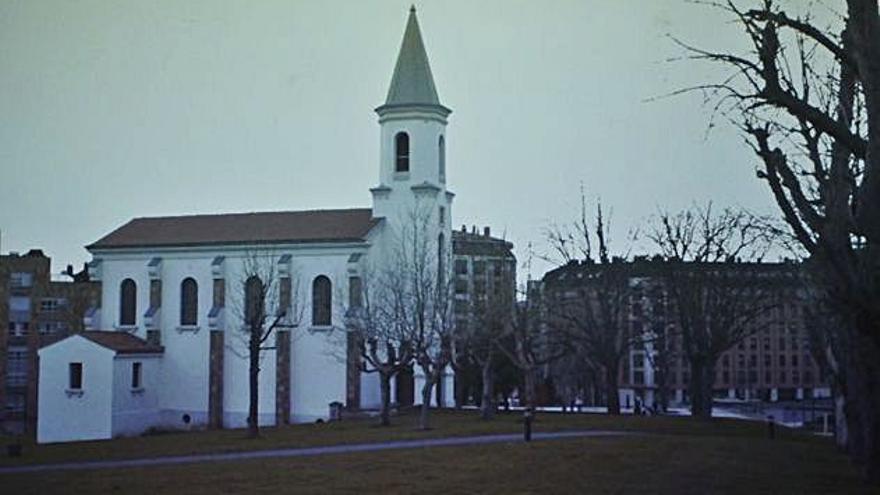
x,y
527,424
771,427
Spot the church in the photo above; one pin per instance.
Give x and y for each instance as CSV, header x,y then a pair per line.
x,y
165,350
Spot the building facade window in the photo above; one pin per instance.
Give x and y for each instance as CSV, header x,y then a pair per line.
x,y
51,304
321,301
21,280
441,154
401,152
189,302
355,292
16,366
127,302
136,375
441,263
75,376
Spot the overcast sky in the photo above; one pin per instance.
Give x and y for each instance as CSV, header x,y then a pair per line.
x,y
113,110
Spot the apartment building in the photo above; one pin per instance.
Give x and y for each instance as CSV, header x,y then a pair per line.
x,y
37,310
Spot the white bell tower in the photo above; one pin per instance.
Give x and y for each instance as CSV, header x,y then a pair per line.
x,y
412,161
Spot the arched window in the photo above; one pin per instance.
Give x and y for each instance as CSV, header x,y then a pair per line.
x,y
321,301
401,152
254,302
189,302
441,153
127,302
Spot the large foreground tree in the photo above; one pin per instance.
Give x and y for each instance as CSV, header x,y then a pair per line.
x,y
807,97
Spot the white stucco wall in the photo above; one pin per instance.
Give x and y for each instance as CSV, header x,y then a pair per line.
x,y
317,367
185,367
135,410
65,417
447,382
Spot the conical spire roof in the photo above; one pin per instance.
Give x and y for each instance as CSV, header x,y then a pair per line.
x,y
412,83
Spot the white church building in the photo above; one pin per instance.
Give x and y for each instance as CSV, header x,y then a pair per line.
x,y
165,348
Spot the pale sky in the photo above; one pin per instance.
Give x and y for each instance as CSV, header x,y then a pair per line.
x,y
113,110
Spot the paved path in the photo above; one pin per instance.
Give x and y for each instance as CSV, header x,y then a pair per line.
x,y
306,452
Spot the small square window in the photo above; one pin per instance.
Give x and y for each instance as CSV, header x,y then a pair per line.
x,y
75,375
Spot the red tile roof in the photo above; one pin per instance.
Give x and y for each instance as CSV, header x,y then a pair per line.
x,y
122,342
242,228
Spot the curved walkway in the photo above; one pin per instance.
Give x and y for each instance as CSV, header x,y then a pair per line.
x,y
307,451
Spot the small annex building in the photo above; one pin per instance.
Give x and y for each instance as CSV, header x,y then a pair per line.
x,y
108,387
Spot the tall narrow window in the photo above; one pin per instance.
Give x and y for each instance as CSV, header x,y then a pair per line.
x,y
355,292
321,301
254,301
136,375
441,263
75,376
189,302
127,302
401,152
441,153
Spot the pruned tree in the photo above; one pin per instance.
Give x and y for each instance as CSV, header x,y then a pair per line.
x,y
719,299
373,327
528,342
406,309
265,301
477,334
662,336
590,305
807,98
423,263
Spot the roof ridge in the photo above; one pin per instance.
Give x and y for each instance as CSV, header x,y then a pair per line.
x,y
242,213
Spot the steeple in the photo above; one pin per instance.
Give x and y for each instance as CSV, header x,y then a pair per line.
x,y
412,84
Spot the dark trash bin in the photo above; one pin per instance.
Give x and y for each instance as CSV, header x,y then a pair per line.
x,y
335,411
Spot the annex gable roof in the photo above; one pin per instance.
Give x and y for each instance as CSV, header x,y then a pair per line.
x,y
117,341
313,226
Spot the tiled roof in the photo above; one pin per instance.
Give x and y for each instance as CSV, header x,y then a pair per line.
x,y
412,83
242,228
122,342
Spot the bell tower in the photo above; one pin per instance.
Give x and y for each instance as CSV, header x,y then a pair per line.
x,y
412,121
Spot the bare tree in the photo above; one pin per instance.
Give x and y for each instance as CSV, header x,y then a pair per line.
x,y
424,287
807,98
406,311
664,340
528,342
590,305
718,298
373,324
265,301
477,335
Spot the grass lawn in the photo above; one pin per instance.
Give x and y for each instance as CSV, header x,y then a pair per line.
x,y
680,456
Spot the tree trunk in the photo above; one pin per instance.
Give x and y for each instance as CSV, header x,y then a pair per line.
x,y
700,388
487,403
868,390
611,390
254,385
426,401
529,386
385,397
841,431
